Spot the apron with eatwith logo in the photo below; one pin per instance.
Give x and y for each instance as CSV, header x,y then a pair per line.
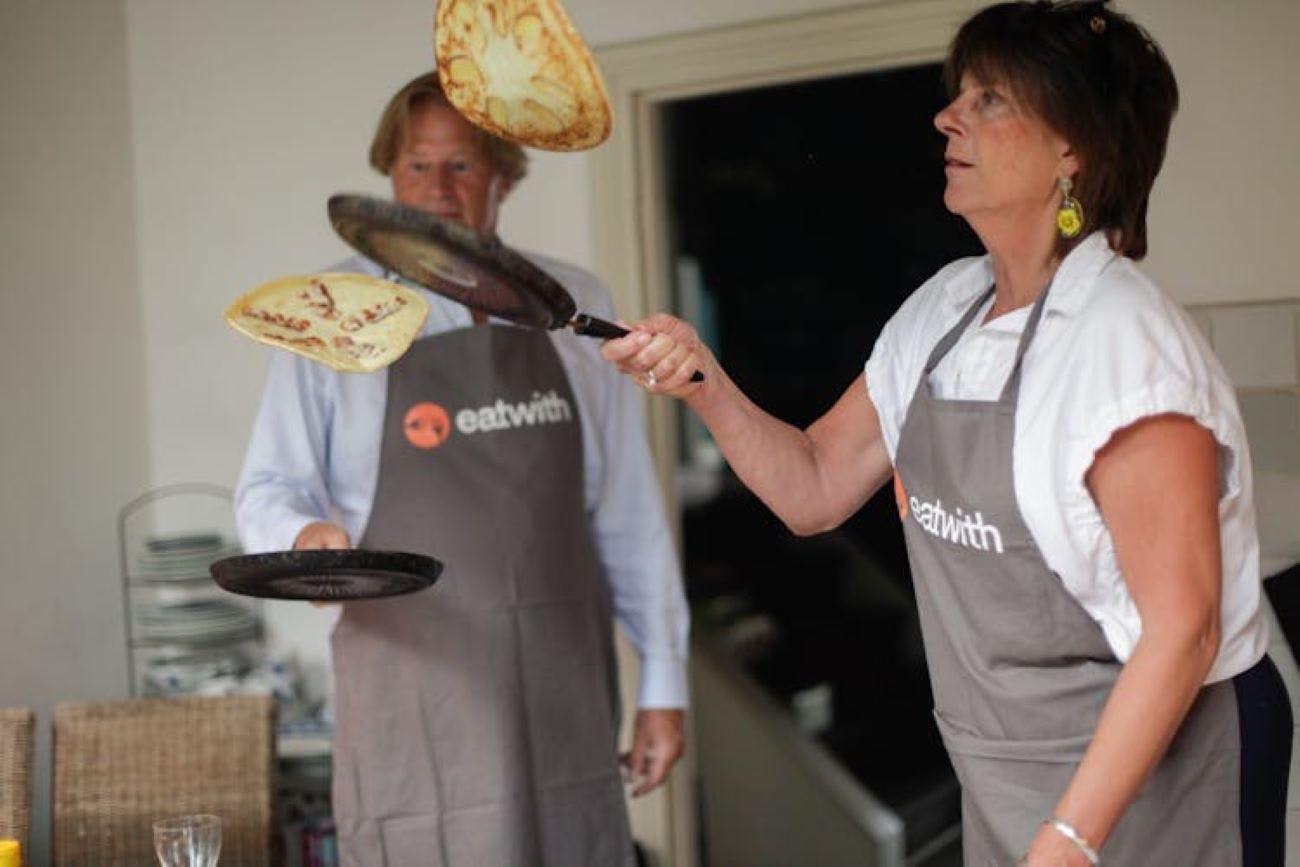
x,y
1020,671
477,720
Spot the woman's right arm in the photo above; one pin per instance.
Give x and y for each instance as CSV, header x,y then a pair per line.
x,y
811,479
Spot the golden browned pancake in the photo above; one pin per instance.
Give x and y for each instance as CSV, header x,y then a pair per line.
x,y
519,68
349,322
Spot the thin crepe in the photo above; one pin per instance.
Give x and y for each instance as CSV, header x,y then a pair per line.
x,y
520,69
348,322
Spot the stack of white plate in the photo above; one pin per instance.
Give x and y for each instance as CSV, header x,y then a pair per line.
x,y
181,557
207,621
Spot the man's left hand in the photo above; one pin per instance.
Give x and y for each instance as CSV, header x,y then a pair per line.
x,y
658,741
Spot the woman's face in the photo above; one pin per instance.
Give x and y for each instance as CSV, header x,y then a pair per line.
x,y
1002,161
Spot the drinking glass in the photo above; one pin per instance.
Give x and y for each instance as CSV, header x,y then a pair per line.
x,y
188,841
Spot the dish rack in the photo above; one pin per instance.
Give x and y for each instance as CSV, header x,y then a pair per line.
x,y
184,634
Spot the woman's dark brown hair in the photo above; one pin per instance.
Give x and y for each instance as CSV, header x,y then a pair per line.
x,y
1100,81
505,157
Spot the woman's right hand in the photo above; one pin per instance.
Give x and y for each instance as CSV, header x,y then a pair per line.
x,y
811,479
662,353
322,535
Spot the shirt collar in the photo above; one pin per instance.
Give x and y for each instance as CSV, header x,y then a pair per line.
x,y
1070,286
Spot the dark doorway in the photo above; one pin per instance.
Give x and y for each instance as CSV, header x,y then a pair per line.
x,y
801,217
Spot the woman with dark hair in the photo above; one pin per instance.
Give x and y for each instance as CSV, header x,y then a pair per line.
x,y
1070,468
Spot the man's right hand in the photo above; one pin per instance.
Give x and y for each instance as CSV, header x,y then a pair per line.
x,y
322,534
318,535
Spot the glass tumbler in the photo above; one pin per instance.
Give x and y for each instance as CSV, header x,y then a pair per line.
x,y
188,841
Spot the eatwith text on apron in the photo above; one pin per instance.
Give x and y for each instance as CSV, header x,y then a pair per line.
x,y
477,721
1020,671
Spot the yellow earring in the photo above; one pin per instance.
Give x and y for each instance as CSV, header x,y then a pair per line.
x,y
1069,217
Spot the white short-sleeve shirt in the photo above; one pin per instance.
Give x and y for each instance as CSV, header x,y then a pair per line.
x,y
1111,348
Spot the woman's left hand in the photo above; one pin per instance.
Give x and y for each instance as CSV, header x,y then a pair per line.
x,y
1050,848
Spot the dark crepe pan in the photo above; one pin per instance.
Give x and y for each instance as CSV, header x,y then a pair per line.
x,y
330,575
453,260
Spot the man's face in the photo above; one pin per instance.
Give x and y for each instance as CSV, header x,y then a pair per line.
x,y
441,169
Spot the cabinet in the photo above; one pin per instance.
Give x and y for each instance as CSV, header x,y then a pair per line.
x,y
185,635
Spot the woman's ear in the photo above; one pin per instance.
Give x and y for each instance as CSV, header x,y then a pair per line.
x,y
1069,163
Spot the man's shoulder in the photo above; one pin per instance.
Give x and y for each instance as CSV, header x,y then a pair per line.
x,y
355,264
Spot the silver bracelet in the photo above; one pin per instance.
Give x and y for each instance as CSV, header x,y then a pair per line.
x,y
1066,830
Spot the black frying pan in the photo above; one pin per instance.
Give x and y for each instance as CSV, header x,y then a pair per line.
x,y
331,575
455,261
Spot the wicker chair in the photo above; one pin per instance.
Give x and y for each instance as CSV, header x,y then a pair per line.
x,y
120,765
16,728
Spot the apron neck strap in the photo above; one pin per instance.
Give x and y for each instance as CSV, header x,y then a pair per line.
x,y
1011,390
950,339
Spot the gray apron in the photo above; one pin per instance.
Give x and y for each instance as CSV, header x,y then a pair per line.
x,y
477,720
1019,669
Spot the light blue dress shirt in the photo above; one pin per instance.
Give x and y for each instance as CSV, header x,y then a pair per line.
x,y
314,455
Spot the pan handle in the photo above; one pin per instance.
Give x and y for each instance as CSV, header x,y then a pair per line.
x,y
593,327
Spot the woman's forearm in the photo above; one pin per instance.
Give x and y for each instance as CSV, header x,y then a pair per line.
x,y
812,480
1149,702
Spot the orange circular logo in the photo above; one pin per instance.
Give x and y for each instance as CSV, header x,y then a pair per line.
x,y
426,425
900,497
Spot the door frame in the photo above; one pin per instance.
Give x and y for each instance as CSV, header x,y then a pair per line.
x,y
629,206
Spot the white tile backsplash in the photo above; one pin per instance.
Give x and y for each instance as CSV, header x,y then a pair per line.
x,y
1204,320
1277,510
1256,343
1272,418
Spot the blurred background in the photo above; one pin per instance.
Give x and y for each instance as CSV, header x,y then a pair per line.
x,y
160,157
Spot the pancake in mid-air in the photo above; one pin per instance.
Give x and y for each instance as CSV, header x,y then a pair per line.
x,y
519,69
349,322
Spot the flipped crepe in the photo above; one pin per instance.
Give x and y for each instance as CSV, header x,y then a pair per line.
x,y
348,322
519,69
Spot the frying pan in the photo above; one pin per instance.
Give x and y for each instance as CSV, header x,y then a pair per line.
x,y
457,262
331,575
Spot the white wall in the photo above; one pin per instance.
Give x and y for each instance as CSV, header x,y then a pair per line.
x,y
604,22
73,420
183,151
246,116
1223,218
